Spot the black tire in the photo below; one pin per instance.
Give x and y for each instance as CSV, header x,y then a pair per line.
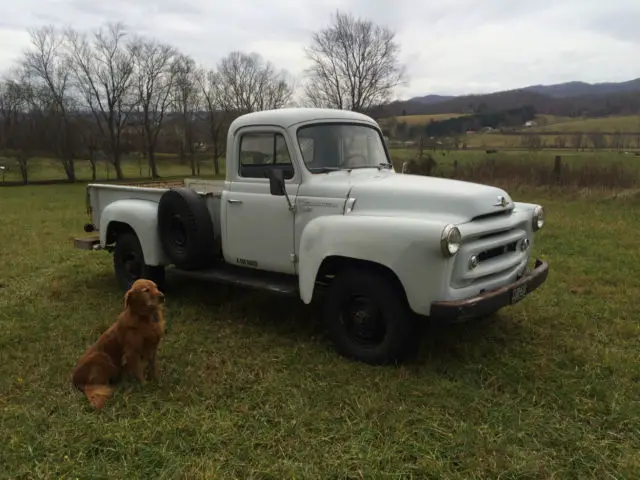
x,y
128,263
390,335
186,229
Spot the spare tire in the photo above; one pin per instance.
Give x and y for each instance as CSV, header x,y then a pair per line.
x,y
185,228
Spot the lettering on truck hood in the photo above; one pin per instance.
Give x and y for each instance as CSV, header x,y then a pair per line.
x,y
416,195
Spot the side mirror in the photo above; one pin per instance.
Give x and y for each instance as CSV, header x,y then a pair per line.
x,y
276,182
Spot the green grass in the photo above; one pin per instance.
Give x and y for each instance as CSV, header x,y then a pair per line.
x,y
624,123
544,156
423,119
548,123
250,388
51,169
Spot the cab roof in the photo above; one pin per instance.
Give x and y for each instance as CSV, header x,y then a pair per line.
x,y
287,117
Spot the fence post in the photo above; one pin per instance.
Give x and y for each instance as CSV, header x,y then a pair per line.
x,y
557,168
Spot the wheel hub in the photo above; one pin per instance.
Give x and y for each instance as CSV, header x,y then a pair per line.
x,y
363,321
177,231
132,265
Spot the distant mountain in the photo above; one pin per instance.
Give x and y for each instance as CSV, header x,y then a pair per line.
x,y
574,89
431,99
566,99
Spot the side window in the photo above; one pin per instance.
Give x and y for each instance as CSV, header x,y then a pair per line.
x,y
261,152
282,152
256,149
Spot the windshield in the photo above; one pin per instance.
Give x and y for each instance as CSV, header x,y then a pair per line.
x,y
327,147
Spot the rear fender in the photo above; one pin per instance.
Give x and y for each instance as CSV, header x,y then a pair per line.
x,y
142,217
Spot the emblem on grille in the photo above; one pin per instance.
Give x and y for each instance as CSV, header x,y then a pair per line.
x,y
502,202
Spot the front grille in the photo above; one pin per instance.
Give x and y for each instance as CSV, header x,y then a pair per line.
x,y
497,251
496,244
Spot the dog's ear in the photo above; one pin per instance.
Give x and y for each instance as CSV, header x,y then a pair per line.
x,y
127,298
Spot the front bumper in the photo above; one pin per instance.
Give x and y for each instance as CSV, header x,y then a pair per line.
x,y
491,301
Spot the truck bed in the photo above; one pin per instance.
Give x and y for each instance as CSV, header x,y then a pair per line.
x,y
102,194
198,184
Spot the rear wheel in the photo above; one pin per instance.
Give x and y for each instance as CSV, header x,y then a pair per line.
x,y
128,263
368,318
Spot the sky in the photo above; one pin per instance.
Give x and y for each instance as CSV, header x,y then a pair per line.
x,y
449,47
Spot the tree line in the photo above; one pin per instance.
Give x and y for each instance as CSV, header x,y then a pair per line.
x,y
109,92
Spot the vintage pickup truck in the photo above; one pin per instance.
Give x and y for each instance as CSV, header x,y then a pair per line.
x,y
311,205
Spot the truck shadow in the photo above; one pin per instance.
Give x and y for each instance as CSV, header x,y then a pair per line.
x,y
290,318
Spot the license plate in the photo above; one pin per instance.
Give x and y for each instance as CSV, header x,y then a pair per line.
x,y
518,293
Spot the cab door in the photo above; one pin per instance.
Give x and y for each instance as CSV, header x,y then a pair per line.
x,y
259,227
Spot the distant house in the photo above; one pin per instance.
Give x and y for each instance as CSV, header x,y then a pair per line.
x,y
530,123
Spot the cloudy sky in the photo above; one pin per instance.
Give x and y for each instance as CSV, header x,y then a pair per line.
x,y
449,46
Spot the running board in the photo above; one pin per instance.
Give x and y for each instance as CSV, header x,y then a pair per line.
x,y
244,277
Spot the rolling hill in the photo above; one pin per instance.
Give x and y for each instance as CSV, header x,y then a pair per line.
x,y
575,89
569,99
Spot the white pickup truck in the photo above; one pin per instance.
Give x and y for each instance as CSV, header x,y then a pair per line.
x,y
311,203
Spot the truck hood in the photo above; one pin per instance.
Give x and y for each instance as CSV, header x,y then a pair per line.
x,y
391,194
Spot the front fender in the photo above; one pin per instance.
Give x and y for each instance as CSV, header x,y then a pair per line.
x,y
410,247
142,217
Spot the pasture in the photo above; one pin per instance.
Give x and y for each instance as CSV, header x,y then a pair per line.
x,y
46,169
622,123
556,132
249,387
547,123
423,119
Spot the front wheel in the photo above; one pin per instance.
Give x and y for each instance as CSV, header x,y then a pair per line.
x,y
368,318
128,263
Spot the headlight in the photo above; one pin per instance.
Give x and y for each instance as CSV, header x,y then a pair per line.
x,y
450,241
538,218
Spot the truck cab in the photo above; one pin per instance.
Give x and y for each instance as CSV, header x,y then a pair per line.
x,y
311,205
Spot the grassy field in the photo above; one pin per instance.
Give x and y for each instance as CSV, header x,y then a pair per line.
x,y
50,168
169,167
423,119
545,157
249,387
624,123
550,123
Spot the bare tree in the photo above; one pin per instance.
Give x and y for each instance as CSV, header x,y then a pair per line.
x,y
187,100
618,140
561,141
354,65
533,141
21,123
218,115
577,140
48,69
598,140
103,70
154,77
248,83
90,142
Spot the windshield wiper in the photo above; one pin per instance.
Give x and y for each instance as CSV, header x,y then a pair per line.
x,y
386,165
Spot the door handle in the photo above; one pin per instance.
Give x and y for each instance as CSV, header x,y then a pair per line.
x,y
232,200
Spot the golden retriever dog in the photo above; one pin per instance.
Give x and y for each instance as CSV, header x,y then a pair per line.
x,y
129,345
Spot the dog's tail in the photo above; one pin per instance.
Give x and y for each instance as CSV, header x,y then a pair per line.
x,y
97,394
